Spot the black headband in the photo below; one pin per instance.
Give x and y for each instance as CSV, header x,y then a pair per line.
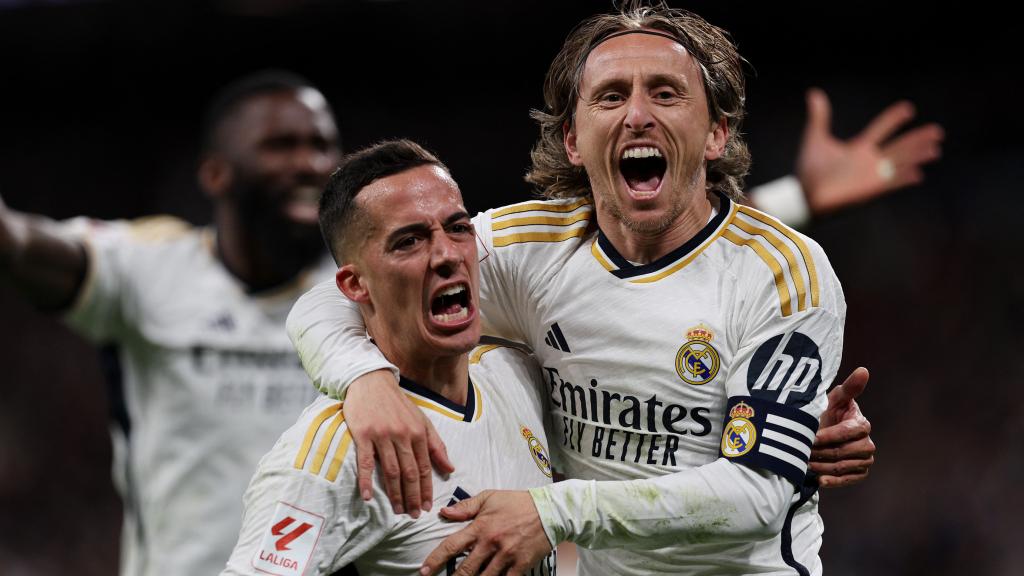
x,y
647,31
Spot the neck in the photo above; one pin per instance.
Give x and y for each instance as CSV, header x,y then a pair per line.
x,y
261,257
642,244
444,375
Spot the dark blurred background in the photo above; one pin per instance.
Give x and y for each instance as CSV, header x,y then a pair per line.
x,y
100,104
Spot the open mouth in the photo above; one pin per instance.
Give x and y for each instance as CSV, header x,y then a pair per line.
x,y
302,204
643,168
451,305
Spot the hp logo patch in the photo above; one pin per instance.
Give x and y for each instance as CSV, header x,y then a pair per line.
x,y
786,369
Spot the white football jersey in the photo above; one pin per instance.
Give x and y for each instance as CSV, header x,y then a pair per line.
x,y
303,511
210,382
719,353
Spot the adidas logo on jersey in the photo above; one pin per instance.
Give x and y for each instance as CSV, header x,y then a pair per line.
x,y
556,339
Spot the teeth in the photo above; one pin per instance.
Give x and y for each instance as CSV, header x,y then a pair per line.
x,y
462,314
642,152
453,290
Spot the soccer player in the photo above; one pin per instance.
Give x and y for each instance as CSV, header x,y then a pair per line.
x,y
687,342
198,314
395,222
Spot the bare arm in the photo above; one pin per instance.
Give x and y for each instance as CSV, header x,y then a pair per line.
x,y
44,265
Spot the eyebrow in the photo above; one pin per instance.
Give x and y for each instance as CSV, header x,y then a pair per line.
x,y
676,80
421,226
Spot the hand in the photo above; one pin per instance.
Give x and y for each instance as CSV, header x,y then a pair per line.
x,y
843,451
506,535
385,424
835,174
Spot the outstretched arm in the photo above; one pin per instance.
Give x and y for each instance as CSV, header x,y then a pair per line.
x,y
44,265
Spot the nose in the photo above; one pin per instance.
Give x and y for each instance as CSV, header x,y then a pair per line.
x,y
314,161
638,114
445,257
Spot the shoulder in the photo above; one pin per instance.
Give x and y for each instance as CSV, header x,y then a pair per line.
x,y
318,444
539,222
507,371
768,256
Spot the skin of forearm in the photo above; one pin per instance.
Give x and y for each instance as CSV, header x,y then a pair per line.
x,y
45,267
719,502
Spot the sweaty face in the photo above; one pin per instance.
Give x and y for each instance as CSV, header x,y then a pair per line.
x,y
282,147
642,131
419,265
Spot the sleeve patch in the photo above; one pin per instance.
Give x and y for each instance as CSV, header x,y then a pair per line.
x,y
288,541
786,369
763,434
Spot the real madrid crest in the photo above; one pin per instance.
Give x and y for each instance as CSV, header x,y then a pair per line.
x,y
739,435
537,451
697,361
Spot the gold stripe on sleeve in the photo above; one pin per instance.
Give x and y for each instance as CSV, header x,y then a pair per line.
x,y
780,281
307,442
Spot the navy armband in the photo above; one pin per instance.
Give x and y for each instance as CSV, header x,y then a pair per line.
x,y
768,435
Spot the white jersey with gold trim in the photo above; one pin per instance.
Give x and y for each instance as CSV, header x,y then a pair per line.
x,y
303,511
661,378
210,382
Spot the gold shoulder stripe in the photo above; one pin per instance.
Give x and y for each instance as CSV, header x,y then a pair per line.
x,y
539,207
339,456
307,442
541,221
502,241
325,443
796,239
780,281
479,351
794,267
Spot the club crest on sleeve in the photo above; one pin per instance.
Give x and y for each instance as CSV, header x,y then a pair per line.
x,y
288,541
739,435
697,361
537,451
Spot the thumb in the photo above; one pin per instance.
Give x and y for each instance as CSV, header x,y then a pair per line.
x,y
849,390
819,113
466,509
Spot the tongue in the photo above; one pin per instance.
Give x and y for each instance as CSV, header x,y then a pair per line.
x,y
644,185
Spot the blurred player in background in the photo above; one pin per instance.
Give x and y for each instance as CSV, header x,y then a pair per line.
x,y
210,378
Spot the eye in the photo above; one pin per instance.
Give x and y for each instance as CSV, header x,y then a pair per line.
x,y
406,243
461,228
665,94
611,98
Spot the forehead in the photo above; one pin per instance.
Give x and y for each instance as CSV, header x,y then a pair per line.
x,y
287,111
629,54
420,195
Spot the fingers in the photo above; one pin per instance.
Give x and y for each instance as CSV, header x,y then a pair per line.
x,y
390,475
466,509
861,449
449,548
888,122
819,112
840,481
365,464
850,389
843,468
426,484
918,146
409,472
850,429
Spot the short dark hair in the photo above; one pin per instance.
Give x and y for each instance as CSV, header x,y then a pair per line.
x,y
358,170
231,97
